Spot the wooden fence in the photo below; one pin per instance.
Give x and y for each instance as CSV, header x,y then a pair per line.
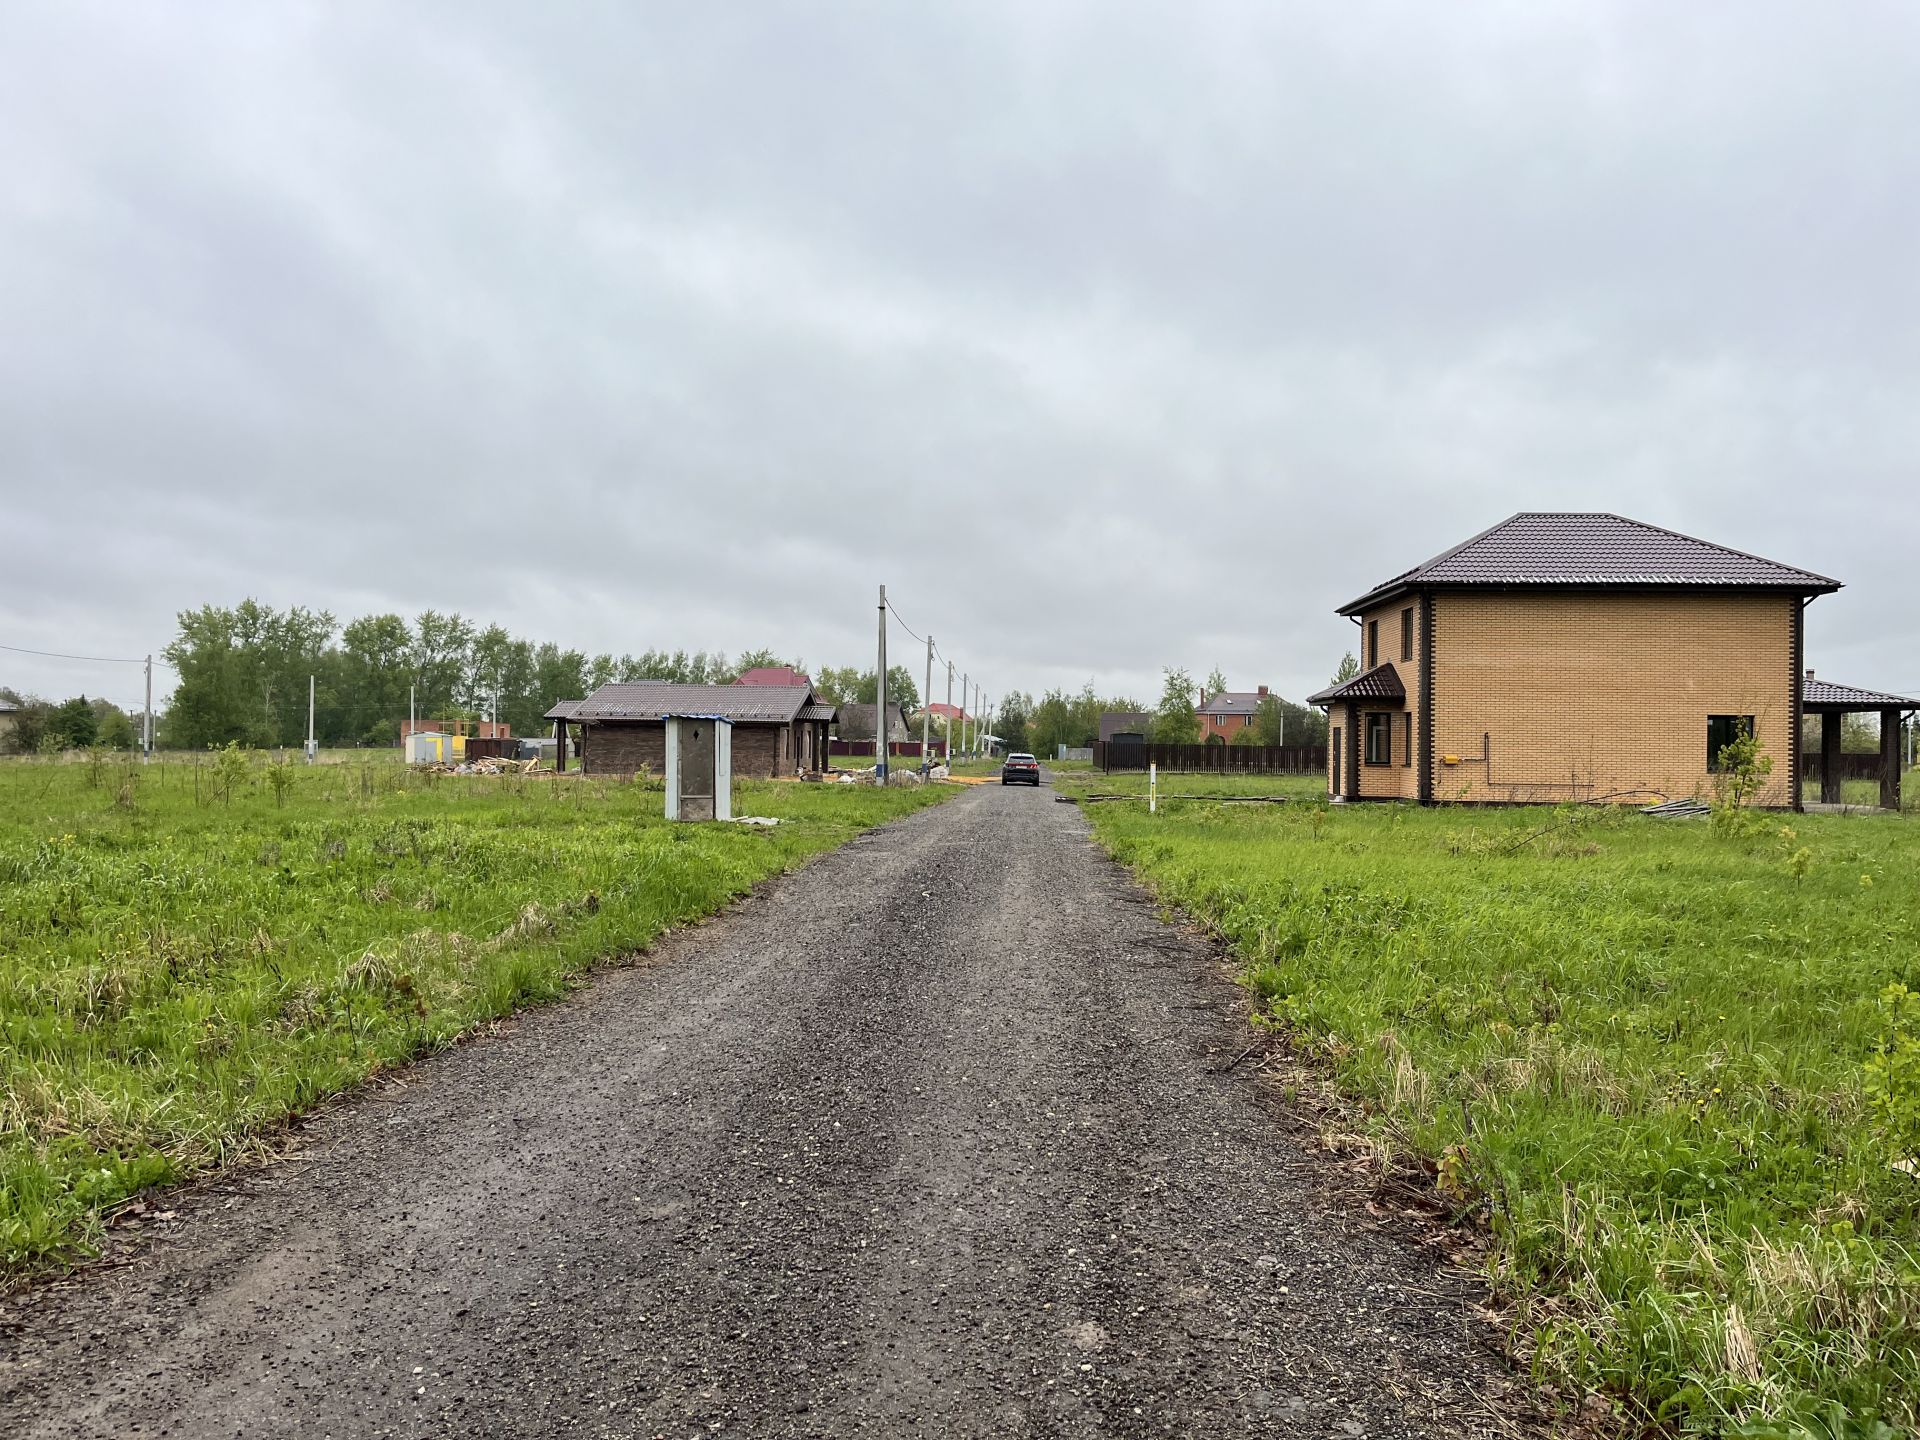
x,y
1110,755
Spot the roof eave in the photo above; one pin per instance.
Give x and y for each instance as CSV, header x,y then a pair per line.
x,y
1376,598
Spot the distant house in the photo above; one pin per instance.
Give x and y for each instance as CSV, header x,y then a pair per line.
x,y
9,721
1125,725
774,675
941,710
1561,657
777,729
856,723
1229,712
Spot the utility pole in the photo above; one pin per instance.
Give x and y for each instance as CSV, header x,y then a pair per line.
x,y
413,720
880,699
966,711
948,717
146,720
926,710
310,745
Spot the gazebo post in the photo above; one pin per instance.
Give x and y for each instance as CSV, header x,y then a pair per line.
x,y
1830,758
1889,759
560,747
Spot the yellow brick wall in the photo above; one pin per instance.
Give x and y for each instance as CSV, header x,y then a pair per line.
x,y
1398,780
1587,694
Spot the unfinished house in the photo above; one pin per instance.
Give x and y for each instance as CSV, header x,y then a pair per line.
x,y
619,729
1561,657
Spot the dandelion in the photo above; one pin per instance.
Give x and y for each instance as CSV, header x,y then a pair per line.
x,y
1866,882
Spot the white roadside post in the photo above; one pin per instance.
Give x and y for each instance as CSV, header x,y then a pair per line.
x,y
311,748
1153,789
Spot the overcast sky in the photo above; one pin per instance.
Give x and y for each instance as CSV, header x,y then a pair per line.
x,y
1108,336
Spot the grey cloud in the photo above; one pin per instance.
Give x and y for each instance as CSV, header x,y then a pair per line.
x,y
1107,336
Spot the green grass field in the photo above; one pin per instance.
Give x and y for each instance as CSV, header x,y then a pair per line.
x,y
181,970
1642,1051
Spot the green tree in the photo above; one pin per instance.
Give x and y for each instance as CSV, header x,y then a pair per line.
x,y
1269,722
838,684
243,673
557,675
901,689
30,721
1050,724
74,725
441,662
1013,721
1279,722
115,730
373,678
1349,667
1216,682
1175,721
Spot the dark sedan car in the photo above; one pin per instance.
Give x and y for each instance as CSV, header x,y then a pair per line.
x,y
1020,770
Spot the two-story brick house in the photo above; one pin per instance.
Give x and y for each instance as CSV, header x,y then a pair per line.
x,y
1228,712
1571,657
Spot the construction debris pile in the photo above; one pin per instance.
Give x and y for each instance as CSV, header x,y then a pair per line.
x,y
485,765
866,775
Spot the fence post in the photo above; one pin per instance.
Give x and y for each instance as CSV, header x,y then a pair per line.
x,y
1153,787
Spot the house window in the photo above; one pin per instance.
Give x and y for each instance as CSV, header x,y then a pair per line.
x,y
1406,633
1373,643
1333,754
1406,748
1722,731
1379,738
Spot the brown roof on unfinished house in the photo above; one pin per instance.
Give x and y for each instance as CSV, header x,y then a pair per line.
x,y
1382,682
657,699
1592,549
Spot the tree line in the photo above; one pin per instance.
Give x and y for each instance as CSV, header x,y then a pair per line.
x,y
243,673
1060,718
243,670
44,726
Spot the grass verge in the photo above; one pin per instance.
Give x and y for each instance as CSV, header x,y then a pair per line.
x,y
1661,1060
181,971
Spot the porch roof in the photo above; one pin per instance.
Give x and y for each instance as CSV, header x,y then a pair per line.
x,y
1382,682
1823,697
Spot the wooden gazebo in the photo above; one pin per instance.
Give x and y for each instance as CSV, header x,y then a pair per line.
x,y
1830,702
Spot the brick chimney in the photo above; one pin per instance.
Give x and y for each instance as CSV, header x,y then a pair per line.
x,y
1809,674
1263,689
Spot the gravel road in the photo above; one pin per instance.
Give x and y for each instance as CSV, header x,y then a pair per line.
x,y
936,1136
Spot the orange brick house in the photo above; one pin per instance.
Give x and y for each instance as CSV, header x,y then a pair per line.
x,y
1562,657
1228,712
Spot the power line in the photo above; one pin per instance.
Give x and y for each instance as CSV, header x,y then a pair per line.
x,y
57,655
903,624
